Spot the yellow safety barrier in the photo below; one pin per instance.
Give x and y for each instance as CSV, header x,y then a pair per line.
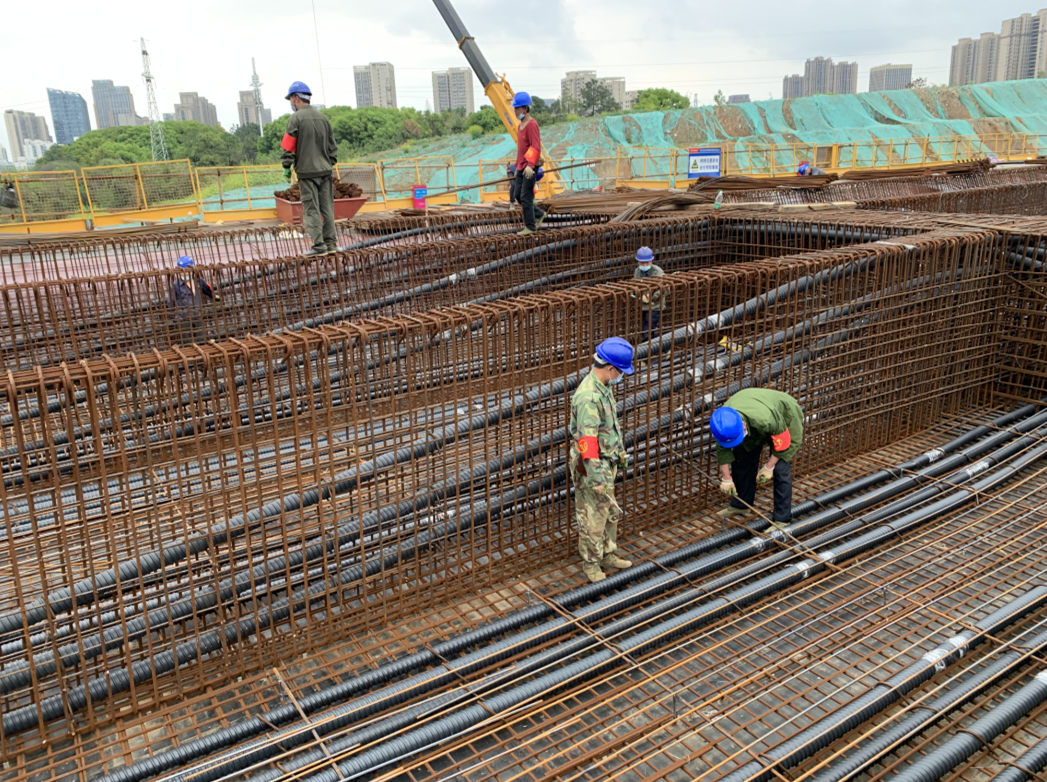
x,y
152,191
48,201
138,192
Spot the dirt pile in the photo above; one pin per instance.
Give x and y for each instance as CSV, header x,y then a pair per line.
x,y
341,190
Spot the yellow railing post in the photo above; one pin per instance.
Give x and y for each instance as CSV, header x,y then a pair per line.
x,y
21,203
141,185
247,187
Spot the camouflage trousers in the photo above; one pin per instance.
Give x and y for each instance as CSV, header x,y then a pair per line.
x,y
596,514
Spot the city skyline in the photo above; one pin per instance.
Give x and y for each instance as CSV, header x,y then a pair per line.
x,y
733,59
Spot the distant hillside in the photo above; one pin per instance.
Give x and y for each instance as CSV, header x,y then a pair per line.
x,y
982,109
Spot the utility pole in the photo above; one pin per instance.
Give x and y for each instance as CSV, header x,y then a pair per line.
x,y
156,130
256,85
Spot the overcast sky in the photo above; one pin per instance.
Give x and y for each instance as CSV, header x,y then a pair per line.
x,y
691,46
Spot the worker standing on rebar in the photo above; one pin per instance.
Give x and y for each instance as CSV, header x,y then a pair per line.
x,y
510,172
528,152
310,147
597,455
750,419
651,303
186,297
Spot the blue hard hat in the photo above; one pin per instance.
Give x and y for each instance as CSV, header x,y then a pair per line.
x,y
644,255
185,262
802,170
298,86
521,99
728,427
618,353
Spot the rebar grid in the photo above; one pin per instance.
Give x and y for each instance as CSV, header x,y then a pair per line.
x,y
699,708
322,400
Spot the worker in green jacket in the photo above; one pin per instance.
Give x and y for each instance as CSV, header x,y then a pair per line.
x,y
651,305
749,420
597,454
309,146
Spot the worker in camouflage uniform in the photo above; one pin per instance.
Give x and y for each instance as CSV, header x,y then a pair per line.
x,y
597,454
309,146
749,420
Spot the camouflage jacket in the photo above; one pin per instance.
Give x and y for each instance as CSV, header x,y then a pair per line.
x,y
594,414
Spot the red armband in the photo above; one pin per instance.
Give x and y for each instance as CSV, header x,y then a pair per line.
x,y
290,143
531,155
781,442
589,447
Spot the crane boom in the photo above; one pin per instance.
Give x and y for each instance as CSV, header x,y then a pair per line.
x,y
496,89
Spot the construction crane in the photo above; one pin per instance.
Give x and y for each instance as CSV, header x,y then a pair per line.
x,y
156,130
496,89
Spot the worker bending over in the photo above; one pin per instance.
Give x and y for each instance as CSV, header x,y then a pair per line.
x,y
749,420
806,169
528,151
310,147
597,454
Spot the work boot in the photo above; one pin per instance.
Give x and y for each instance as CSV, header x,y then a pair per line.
x,y
614,561
731,511
332,249
593,573
525,232
779,524
538,222
315,252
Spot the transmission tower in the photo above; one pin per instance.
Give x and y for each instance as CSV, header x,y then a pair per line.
x,y
156,130
256,85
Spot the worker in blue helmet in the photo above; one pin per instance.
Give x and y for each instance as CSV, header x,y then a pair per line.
x,y
528,155
749,420
597,455
186,299
309,146
652,301
806,169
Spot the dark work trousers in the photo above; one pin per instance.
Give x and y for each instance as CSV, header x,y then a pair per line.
x,y
649,324
743,470
525,195
318,207
514,189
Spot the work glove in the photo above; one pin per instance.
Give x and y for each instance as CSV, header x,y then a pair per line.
x,y
646,299
764,475
727,489
287,174
529,172
623,460
217,297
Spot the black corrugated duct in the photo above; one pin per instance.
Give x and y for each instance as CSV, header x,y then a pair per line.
x,y
512,646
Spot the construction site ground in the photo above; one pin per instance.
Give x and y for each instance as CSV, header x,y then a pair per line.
x,y
668,716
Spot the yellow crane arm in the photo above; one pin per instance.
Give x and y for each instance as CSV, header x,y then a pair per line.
x,y
496,89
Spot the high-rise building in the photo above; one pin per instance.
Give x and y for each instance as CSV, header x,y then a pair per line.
x,y
114,106
739,98
69,115
23,126
630,99
616,85
571,84
4,161
195,107
1018,51
822,76
844,78
889,77
375,85
792,87
247,110
34,150
453,89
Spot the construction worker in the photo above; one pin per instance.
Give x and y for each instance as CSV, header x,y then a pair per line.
x,y
528,152
597,454
750,419
651,303
806,169
186,297
309,146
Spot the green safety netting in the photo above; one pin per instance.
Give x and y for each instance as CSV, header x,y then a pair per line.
x,y
893,117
